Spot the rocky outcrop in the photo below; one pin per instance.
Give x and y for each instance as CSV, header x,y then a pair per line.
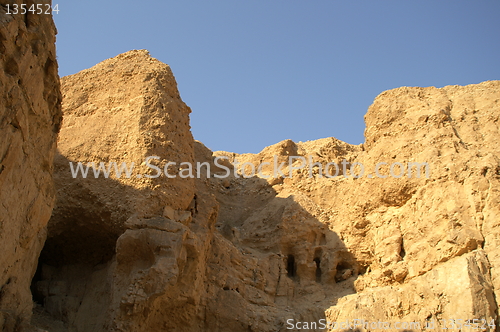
x,y
30,116
146,253
132,102
226,250
125,109
456,290
425,224
433,237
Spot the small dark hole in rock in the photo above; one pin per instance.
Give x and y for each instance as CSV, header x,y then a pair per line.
x,y
402,253
291,266
318,269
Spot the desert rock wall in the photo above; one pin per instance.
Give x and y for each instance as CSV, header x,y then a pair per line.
x,y
121,233
223,251
437,234
30,117
123,110
174,254
249,253
431,235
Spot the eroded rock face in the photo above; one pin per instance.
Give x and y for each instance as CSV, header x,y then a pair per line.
x,y
250,253
401,232
30,116
460,287
115,232
454,213
123,110
144,253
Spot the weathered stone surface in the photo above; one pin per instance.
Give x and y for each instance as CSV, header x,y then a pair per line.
x,y
123,110
248,253
99,224
397,229
30,116
459,289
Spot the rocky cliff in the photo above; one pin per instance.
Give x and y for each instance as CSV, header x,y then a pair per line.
x,y
413,240
432,242
30,116
423,248
227,252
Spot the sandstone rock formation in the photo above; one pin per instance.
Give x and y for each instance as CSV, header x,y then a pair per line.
x,y
425,248
135,112
248,253
446,226
30,116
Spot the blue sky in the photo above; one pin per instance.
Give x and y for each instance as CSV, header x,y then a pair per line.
x,y
256,72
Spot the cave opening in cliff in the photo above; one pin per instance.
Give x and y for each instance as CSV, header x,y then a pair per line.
x,y
79,244
317,260
69,252
291,266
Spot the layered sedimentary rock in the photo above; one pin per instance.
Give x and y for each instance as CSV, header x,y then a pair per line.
x,y
30,116
227,252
